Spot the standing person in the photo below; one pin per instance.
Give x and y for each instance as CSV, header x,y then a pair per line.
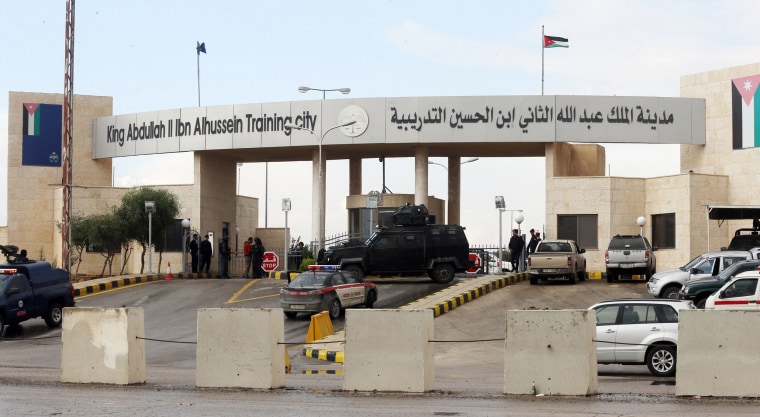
x,y
194,252
534,239
247,254
516,245
224,257
205,251
257,257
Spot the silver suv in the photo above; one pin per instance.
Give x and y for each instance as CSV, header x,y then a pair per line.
x,y
638,332
666,284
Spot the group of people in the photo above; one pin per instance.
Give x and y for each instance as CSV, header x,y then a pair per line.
x,y
253,251
517,244
200,254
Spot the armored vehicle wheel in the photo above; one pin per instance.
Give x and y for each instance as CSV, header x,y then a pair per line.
x,y
443,273
356,270
54,315
291,314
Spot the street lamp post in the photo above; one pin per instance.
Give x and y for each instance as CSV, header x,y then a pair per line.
x,y
320,202
499,200
185,233
304,89
150,208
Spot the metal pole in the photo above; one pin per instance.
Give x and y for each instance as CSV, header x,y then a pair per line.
x,y
150,242
184,250
266,194
498,263
287,244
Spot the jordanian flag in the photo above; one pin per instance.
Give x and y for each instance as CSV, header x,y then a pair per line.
x,y
31,119
555,42
42,135
745,111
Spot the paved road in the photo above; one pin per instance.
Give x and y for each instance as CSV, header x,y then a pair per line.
x,y
468,376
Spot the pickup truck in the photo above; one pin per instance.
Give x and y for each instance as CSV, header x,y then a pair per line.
x,y
557,259
628,256
33,289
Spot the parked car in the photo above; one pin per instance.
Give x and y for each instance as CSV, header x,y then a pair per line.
x,y
628,256
697,290
557,259
741,293
666,284
326,288
745,239
639,332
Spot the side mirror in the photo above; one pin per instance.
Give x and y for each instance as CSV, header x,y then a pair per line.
x,y
723,294
693,271
583,250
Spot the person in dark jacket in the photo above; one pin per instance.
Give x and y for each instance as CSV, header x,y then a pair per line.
x,y
516,245
257,256
194,252
205,254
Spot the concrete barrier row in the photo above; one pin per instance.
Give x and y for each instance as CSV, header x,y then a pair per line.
x,y
551,350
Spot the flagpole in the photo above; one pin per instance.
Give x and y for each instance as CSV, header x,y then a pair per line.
x,y
542,60
198,53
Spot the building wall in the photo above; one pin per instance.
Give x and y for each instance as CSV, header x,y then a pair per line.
x,y
717,156
33,200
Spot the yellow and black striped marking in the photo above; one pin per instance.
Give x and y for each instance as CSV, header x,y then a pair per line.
x,y
323,372
324,355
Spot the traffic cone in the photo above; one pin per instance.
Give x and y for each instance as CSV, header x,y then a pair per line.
x,y
169,272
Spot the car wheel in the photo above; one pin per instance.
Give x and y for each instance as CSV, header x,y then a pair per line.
x,y
533,280
443,273
356,270
54,315
670,292
610,275
371,298
661,360
701,303
573,278
291,314
334,309
2,326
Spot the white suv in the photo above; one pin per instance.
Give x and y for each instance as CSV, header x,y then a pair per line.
x,y
639,332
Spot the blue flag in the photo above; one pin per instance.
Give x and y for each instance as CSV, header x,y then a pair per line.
x,y
200,47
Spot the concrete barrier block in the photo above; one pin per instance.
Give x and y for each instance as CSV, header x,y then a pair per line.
x,y
400,359
239,348
101,345
552,349
717,353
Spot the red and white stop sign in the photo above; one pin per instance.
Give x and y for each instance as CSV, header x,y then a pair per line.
x,y
270,261
476,263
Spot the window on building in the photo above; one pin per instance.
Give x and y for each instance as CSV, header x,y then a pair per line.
x,y
664,230
174,236
582,228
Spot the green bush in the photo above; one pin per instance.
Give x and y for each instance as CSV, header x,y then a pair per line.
x,y
305,263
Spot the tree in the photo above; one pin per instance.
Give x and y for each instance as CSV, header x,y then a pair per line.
x,y
106,232
135,219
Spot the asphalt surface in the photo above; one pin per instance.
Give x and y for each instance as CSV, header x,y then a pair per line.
x,y
469,375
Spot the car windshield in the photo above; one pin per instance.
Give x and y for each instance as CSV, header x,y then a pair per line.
x,y
627,242
736,268
309,279
693,263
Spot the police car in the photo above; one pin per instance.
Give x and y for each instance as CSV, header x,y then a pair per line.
x,y
741,293
326,288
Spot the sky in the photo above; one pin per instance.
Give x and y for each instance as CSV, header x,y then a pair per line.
x,y
142,53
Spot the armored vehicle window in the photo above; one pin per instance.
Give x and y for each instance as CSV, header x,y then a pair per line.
x,y
17,282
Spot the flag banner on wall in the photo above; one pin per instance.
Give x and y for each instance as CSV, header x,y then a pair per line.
x,y
745,112
41,139
555,42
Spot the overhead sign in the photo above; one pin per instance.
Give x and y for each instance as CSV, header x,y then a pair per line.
x,y
584,119
270,261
